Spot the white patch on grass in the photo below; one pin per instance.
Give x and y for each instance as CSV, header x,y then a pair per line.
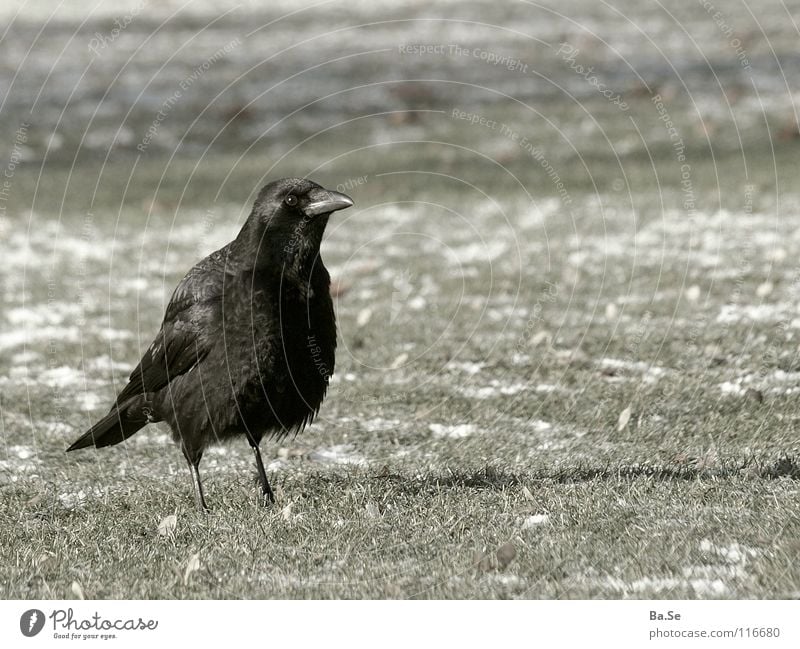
x,y
534,521
476,252
495,388
106,364
732,313
111,334
28,336
25,358
732,553
133,285
61,377
151,439
41,315
776,382
337,454
88,401
506,579
652,585
59,429
465,367
22,452
75,499
647,372
457,431
721,571
379,424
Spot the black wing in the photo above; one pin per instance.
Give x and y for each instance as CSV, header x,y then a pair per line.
x,y
188,330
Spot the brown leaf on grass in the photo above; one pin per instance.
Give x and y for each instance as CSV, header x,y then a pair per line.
x,y
192,566
167,526
482,560
754,395
498,560
506,553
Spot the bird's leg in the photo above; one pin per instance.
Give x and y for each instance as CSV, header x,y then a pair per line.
x,y
266,490
198,488
194,468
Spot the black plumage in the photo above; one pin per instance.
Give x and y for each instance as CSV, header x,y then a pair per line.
x,y
247,343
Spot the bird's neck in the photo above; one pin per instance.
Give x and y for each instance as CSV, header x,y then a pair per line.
x,y
293,251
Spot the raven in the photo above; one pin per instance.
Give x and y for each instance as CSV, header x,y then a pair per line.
x,y
247,343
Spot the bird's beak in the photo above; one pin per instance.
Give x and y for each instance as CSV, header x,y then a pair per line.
x,y
325,201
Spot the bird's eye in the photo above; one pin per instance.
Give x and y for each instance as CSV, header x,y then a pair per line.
x,y
290,200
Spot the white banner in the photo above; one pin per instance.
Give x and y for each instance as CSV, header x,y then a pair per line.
x,y
286,624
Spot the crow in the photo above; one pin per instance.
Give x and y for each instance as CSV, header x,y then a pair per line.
x,y
247,343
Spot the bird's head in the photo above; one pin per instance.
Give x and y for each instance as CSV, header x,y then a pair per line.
x,y
289,219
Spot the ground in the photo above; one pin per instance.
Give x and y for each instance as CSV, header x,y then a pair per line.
x,y
567,371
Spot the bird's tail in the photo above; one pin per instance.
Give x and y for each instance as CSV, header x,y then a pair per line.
x,y
117,426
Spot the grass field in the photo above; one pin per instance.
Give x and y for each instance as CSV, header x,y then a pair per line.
x,y
586,393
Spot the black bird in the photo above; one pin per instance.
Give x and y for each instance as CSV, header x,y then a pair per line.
x,y
247,342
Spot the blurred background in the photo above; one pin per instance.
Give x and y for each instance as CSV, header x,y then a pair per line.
x,y
316,87
574,246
